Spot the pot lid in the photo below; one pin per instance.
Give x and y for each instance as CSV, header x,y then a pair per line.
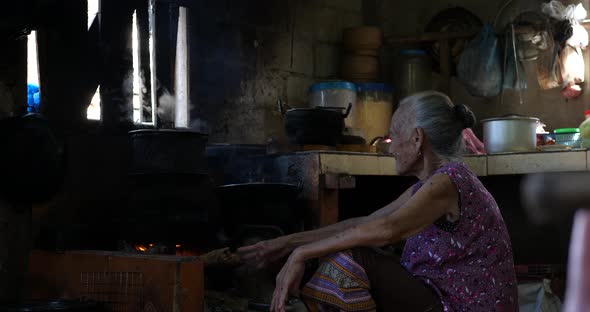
x,y
375,87
332,85
411,52
252,188
167,131
57,305
258,184
512,118
317,108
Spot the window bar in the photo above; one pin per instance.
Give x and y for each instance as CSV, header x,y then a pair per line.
x,y
182,109
152,47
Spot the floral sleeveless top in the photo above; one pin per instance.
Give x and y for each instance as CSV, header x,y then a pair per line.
x,y
468,262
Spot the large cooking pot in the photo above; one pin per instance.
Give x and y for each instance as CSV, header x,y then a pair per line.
x,y
234,163
316,126
168,151
81,305
510,134
260,203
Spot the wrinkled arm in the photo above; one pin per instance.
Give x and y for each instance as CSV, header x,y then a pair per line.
x,y
303,238
435,199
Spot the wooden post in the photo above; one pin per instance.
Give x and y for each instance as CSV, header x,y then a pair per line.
x,y
327,208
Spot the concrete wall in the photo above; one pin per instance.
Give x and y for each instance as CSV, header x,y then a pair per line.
x,y
251,53
406,18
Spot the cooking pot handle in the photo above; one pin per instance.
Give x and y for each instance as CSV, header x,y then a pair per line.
x,y
299,186
283,107
347,110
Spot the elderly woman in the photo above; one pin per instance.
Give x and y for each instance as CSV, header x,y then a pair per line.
x,y
457,255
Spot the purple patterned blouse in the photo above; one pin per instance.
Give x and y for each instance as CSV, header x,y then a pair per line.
x,y
468,262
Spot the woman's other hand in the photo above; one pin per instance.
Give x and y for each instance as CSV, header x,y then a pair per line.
x,y
264,252
288,281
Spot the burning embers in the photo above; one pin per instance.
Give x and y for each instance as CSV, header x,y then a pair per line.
x,y
157,249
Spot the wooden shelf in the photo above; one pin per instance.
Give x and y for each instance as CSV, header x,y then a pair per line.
x,y
429,37
444,39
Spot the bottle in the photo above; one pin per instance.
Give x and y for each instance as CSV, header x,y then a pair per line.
x,y
585,130
414,72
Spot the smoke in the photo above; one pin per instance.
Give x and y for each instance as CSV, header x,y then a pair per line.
x,y
166,107
167,112
199,125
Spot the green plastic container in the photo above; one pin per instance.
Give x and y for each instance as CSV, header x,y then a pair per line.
x,y
568,136
585,130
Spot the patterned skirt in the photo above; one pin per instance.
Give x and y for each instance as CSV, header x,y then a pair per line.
x,y
339,284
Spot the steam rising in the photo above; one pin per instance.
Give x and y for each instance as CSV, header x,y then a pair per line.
x,y
166,107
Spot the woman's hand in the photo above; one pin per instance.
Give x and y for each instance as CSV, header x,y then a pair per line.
x,y
265,252
288,281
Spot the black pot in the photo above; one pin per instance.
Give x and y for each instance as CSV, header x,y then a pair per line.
x,y
235,163
315,126
32,160
168,151
259,203
55,305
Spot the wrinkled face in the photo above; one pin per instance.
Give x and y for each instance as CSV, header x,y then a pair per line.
x,y
405,141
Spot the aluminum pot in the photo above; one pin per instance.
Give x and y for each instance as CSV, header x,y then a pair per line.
x,y
510,134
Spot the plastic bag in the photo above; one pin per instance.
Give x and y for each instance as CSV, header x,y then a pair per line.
x,y
514,74
558,11
548,66
579,36
472,144
480,66
538,297
572,66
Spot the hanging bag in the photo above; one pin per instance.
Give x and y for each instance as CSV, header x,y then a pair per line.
x,y
480,65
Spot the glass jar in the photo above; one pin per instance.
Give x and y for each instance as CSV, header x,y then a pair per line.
x,y
413,72
373,110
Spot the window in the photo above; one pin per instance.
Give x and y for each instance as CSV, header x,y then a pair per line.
x,y
33,89
144,112
93,111
137,81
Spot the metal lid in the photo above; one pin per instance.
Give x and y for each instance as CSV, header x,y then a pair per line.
x,y
166,131
412,52
331,85
379,87
57,305
512,118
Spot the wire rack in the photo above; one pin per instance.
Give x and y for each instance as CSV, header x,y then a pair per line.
x,y
120,291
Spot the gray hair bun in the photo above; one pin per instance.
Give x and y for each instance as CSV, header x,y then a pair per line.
x,y
465,115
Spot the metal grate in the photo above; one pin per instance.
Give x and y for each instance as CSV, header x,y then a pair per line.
x,y
120,291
